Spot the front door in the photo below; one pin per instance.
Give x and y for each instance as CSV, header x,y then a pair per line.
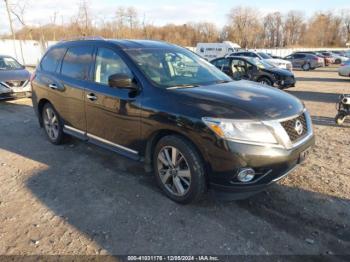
x,y
112,114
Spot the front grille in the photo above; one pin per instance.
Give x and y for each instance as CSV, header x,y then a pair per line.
x,y
15,83
291,129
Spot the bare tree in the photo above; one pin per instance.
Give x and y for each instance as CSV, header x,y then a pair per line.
x,y
244,26
11,26
293,27
345,14
273,29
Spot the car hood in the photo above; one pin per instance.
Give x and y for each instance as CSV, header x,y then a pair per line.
x,y
8,75
240,100
277,61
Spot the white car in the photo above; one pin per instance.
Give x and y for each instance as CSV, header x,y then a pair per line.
x,y
344,69
280,63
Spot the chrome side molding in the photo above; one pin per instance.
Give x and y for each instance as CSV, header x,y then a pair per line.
x,y
99,139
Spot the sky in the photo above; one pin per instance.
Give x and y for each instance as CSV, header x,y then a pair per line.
x,y
160,12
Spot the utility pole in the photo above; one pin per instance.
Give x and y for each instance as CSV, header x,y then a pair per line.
x,y
11,27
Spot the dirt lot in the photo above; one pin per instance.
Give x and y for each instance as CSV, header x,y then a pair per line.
x,y
80,199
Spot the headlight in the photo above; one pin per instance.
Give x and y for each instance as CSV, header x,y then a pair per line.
x,y
243,131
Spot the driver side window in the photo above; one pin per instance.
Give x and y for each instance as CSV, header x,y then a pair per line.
x,y
109,63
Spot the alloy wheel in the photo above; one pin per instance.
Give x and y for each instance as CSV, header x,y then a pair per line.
x,y
174,171
51,123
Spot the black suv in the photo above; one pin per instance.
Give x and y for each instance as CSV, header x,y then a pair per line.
x,y
255,70
164,105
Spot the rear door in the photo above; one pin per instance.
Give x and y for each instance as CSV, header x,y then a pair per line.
x,y
112,114
68,91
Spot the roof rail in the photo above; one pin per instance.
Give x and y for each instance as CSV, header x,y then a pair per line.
x,y
75,38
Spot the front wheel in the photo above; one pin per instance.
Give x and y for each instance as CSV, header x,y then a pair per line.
x,y
179,170
52,124
340,118
265,81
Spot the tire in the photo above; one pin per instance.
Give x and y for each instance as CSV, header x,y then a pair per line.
x,y
190,187
338,61
340,118
265,81
52,124
306,67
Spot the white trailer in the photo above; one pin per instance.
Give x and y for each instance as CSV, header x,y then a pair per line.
x,y
211,51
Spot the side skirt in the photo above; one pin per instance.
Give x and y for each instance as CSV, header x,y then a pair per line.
x,y
124,151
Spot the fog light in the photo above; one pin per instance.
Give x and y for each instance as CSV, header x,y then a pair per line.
x,y
246,175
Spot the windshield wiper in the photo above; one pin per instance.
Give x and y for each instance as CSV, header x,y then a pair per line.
x,y
183,86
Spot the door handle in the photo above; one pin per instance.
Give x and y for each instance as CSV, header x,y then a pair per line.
x,y
91,97
53,86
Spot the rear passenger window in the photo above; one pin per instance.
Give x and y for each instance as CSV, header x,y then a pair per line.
x,y
77,61
52,59
109,63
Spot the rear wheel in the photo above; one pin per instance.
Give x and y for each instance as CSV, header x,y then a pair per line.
x,y
306,67
179,170
52,124
338,61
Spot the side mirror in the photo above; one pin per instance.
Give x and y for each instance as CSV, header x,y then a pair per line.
x,y
122,81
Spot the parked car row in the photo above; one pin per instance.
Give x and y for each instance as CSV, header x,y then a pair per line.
x,y
309,60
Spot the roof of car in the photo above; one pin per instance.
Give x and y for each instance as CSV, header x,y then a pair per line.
x,y
124,44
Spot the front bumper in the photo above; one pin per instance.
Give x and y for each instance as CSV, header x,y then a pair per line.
x,y
12,95
7,92
270,163
284,83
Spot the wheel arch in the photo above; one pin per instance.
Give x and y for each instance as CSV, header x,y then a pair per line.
x,y
159,134
41,105
265,77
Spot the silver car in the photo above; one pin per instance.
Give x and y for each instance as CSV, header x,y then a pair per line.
x,y
14,79
344,69
305,61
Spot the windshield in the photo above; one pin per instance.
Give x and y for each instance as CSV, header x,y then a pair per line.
x,y
260,63
9,63
176,67
265,56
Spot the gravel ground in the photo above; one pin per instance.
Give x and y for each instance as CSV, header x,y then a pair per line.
x,y
80,199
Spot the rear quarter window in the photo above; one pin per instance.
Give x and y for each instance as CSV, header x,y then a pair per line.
x,y
77,61
52,59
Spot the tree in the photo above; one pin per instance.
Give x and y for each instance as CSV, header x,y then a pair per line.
x,y
293,28
345,14
273,29
244,27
